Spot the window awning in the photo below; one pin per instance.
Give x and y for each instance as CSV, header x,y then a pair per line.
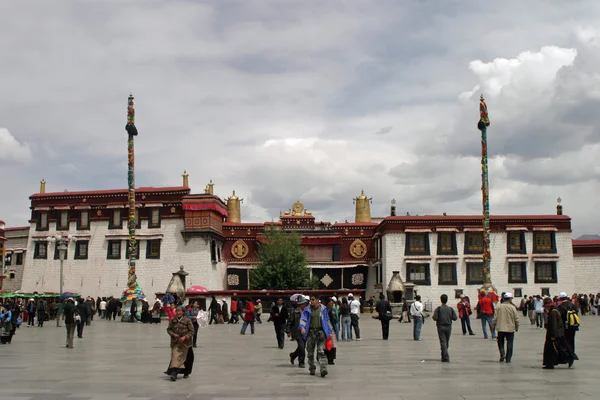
x,y
138,236
516,228
473,229
545,228
417,230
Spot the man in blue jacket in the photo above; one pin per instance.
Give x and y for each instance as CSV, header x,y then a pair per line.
x,y
314,327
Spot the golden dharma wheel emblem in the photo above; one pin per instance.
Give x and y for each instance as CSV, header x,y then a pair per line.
x,y
99,213
84,200
358,249
298,207
239,249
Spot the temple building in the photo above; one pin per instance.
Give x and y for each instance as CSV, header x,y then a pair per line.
x,y
208,236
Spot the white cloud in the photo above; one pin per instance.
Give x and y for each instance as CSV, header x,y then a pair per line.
x,y
529,71
589,35
11,149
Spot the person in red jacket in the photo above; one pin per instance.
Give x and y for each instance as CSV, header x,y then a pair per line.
x,y
248,317
485,309
234,311
464,312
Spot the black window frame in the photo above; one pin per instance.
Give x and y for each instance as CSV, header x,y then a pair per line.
x,y
409,252
81,227
59,225
149,254
36,250
453,251
111,224
151,223
467,235
518,292
523,266
137,253
213,251
109,253
57,253
38,223
454,280
552,250
7,259
78,255
474,264
19,259
509,249
554,270
11,275
424,282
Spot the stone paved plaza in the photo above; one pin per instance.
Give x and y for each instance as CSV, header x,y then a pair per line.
x,y
125,361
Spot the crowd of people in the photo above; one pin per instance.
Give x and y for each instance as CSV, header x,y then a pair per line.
x,y
316,325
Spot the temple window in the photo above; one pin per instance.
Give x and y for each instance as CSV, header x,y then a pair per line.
x,y
516,242
42,222
154,221
473,242
81,250
545,272
517,272
418,274
114,250
475,273
41,250
447,243
153,249
83,223
62,222
417,244
544,242
115,220
447,274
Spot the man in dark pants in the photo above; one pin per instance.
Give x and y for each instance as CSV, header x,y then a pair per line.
x,y
292,331
383,306
279,316
214,315
506,323
443,316
565,306
84,314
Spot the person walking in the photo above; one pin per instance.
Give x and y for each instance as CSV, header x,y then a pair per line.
x,y
443,316
181,332
531,308
293,332
234,312
384,310
60,312
354,315
248,317
41,313
346,321
506,323
30,312
83,315
523,305
213,311
192,314
565,308
485,308
71,318
279,316
314,327
464,313
539,312
556,349
259,311
416,311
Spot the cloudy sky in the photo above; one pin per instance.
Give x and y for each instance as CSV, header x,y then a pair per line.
x,y
285,100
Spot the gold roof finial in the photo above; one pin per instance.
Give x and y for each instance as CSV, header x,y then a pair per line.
x,y
233,196
42,186
186,179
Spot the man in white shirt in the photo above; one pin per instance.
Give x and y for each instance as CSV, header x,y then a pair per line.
x,y
354,312
416,311
102,310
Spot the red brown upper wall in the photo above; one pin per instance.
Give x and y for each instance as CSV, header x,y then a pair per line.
x,y
583,248
498,223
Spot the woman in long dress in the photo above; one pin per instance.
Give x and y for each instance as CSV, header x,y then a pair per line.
x,y
556,348
181,331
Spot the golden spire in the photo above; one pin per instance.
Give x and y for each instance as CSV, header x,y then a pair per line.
x,y
363,208
234,208
210,188
186,179
42,186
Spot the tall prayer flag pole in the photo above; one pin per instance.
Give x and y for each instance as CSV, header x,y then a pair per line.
x,y
132,245
482,125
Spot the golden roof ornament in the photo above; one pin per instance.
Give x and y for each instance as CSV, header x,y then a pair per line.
x,y
186,179
297,208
